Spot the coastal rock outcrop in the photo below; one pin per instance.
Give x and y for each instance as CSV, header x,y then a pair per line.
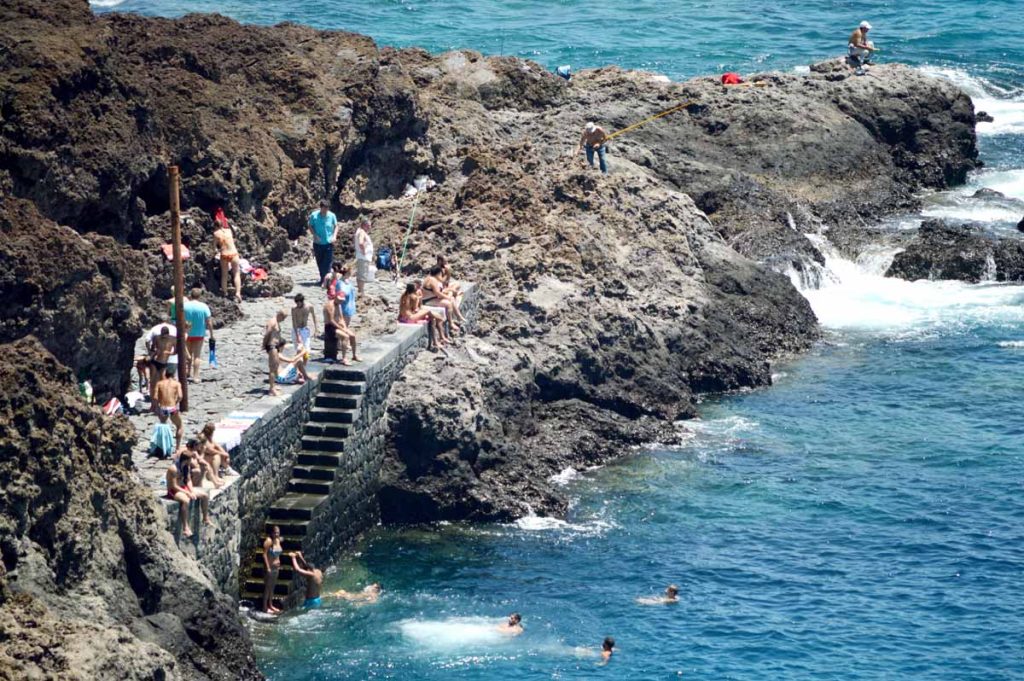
x,y
962,252
92,585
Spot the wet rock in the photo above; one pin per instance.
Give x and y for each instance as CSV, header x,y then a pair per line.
x,y
986,193
943,251
984,117
92,585
1020,225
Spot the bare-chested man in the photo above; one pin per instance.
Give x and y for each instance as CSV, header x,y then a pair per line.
x,y
593,139
271,342
514,625
167,396
224,238
860,47
334,323
314,579
161,341
301,314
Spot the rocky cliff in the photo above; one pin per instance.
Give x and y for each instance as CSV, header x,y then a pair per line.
x,y
91,584
611,302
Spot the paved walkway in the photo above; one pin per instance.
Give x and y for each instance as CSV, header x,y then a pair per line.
x,y
241,377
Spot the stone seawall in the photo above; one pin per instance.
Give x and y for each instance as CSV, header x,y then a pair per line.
x,y
317,479
266,439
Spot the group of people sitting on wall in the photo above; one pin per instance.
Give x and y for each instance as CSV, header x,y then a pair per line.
x,y
435,301
199,461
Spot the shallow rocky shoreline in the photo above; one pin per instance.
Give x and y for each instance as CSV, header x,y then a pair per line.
x,y
610,302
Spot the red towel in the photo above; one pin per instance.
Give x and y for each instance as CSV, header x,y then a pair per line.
x,y
731,79
168,250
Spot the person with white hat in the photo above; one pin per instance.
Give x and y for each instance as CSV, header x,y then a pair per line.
x,y
593,139
860,47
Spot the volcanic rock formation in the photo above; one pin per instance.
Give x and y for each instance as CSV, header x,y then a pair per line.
x,y
92,585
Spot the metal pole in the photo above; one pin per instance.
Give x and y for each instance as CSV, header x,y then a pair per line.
x,y
179,286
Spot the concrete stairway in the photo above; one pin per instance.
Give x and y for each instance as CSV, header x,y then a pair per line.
x,y
321,460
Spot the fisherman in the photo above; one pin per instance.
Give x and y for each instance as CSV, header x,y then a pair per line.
x,y
324,225
593,139
860,47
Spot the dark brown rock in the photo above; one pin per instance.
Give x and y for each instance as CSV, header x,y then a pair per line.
x,y
92,585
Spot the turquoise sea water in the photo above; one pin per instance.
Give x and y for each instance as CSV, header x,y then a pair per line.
x,y
862,519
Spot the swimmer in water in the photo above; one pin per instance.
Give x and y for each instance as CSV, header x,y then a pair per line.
x,y
369,594
670,596
606,650
513,627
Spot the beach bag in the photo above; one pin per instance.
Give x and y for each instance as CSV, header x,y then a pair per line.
x,y
384,256
731,79
288,376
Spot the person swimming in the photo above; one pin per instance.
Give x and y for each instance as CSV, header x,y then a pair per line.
x,y
513,627
370,594
607,648
670,596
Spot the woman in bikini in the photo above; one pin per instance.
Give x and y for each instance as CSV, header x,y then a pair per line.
x,y
213,453
179,488
197,470
224,239
434,296
411,312
271,564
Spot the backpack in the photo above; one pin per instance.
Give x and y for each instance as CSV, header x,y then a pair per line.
x,y
384,256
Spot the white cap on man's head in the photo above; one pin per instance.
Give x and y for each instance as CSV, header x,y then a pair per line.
x,y
591,126
865,25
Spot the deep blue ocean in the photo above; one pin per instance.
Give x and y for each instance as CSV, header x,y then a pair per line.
x,y
861,519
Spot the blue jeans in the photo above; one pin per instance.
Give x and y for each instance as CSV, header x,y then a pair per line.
x,y
600,157
324,254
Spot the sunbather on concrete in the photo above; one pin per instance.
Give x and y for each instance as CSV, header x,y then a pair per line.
x,y
334,323
411,311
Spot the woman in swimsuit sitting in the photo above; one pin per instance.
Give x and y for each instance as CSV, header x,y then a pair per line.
x,y
434,296
410,312
179,476
213,453
271,564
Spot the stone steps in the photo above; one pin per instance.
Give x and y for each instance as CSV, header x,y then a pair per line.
x,y
336,409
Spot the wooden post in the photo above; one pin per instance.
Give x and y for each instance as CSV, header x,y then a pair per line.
x,y
179,285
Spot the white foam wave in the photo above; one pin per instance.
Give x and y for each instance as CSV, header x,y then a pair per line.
x,y
852,298
1011,344
1005,105
565,477
454,633
105,3
729,426
535,523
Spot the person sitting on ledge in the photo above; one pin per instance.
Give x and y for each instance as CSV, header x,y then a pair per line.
x,y
334,323
314,579
410,312
370,594
860,48
179,475
213,453
513,627
271,338
434,296
199,470
271,565
671,595
291,370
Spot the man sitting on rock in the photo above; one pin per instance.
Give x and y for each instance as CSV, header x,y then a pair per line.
x,y
860,47
593,139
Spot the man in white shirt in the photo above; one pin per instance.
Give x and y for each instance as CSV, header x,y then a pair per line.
x,y
364,254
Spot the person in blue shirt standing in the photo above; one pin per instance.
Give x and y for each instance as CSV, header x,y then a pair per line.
x,y
198,316
324,225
